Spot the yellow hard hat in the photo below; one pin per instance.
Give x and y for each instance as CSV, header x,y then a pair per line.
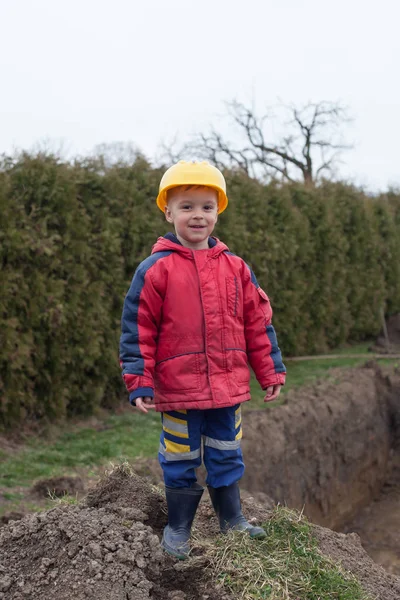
x,y
193,173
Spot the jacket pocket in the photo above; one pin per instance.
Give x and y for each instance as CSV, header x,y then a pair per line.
x,y
234,296
265,304
179,373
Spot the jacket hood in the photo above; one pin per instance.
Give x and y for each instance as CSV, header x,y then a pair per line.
x,y
171,242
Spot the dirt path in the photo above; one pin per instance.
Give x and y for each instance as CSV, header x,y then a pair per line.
x,y
336,356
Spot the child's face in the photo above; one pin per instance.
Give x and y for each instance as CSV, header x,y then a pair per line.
x,y
194,213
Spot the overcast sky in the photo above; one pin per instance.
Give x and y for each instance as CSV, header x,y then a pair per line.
x,y
87,72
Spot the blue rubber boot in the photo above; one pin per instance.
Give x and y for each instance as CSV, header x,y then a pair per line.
x,y
182,505
226,503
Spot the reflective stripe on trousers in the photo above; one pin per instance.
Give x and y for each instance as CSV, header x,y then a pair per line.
x,y
185,432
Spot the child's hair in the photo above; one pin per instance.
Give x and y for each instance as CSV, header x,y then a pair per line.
x,y
186,188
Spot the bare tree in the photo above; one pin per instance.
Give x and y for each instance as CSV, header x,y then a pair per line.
x,y
308,148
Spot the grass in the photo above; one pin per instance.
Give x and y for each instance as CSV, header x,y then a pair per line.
x,y
287,565
129,435
361,348
66,499
83,449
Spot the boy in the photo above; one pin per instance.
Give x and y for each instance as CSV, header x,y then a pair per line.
x,y
192,319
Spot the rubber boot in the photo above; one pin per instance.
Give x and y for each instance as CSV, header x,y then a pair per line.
x,y
226,503
182,505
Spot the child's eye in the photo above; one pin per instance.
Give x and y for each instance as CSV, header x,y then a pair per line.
x,y
186,206
208,207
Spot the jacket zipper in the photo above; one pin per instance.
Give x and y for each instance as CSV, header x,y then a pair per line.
x,y
236,296
205,328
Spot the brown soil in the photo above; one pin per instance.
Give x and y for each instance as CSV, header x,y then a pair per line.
x,y
330,449
58,487
12,515
333,450
131,497
378,524
327,448
352,355
107,548
348,551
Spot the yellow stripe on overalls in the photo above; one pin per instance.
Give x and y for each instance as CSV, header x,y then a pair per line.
x,y
174,419
238,423
179,434
174,447
238,417
174,426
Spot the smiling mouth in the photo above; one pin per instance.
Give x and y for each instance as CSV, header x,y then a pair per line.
x,y
197,226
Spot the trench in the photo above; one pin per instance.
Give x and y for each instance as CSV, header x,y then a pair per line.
x,y
333,451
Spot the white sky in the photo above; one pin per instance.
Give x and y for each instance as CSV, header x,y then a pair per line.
x,y
87,72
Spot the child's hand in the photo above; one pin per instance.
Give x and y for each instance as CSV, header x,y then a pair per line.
x,y
143,404
272,392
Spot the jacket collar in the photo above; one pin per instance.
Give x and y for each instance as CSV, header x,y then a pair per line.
x,y
171,242
172,237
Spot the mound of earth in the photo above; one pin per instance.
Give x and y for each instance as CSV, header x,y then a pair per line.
x,y
108,548
105,548
130,496
348,551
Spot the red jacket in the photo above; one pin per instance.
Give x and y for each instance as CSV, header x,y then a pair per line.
x,y
192,320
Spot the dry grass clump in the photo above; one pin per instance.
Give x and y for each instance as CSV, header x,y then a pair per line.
x,y
120,468
287,565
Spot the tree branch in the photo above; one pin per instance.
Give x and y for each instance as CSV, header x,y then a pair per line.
x,y
308,147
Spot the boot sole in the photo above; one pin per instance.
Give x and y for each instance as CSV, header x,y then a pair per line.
x,y
254,536
258,536
169,550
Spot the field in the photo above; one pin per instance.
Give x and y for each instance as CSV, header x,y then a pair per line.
x,y
82,449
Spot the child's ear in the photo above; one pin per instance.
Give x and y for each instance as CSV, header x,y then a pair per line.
x,y
168,215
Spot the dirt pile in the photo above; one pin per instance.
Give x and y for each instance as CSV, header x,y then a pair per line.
x,y
129,496
78,551
105,548
108,548
348,551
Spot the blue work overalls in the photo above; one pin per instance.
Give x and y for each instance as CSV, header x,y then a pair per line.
x,y
186,432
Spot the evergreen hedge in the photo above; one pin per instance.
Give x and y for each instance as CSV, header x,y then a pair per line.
x,y
72,235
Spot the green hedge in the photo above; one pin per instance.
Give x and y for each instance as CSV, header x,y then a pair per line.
x,y
71,236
